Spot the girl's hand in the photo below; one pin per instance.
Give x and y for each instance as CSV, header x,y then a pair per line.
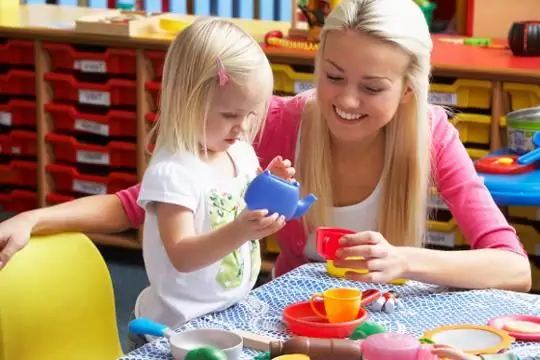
x,y
14,235
384,261
253,225
447,352
281,168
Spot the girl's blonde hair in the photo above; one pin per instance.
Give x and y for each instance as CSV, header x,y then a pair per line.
x,y
402,213
190,78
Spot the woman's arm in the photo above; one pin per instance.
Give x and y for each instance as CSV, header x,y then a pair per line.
x,y
470,269
497,259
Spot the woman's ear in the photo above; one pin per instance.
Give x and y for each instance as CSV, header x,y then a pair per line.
x,y
407,94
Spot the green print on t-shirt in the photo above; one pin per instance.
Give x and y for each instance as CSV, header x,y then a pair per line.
x,y
224,208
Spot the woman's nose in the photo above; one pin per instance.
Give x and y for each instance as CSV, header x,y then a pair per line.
x,y
350,99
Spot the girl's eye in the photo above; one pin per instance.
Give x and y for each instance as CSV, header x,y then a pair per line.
x,y
334,78
229,116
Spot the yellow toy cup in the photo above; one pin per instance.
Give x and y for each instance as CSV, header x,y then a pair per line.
x,y
340,304
335,271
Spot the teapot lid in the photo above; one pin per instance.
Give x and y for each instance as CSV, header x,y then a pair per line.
x,y
390,346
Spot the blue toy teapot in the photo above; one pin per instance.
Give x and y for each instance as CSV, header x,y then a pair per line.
x,y
277,195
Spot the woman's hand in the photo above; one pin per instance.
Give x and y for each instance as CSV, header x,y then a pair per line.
x,y
384,261
14,235
281,168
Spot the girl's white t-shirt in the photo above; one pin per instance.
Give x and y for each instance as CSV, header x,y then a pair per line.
x,y
174,298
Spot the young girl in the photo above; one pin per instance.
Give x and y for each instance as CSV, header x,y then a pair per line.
x,y
200,245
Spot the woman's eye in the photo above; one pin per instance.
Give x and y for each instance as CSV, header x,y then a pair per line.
x,y
334,78
372,90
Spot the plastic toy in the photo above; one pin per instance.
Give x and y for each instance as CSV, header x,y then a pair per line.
x,y
524,38
182,343
365,329
392,346
521,125
471,339
206,353
520,327
388,302
340,304
327,241
511,164
317,349
302,320
276,39
276,195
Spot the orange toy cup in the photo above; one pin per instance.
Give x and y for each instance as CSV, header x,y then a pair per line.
x,y
341,304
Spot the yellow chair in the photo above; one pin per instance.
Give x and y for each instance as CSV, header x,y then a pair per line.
x,y
57,302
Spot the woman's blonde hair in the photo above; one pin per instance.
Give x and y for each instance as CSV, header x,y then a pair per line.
x,y
402,212
190,78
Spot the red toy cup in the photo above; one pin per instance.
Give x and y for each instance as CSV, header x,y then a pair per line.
x,y
327,239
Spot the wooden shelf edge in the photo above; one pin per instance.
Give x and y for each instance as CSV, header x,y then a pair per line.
x,y
121,240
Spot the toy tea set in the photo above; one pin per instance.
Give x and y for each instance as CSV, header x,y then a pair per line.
x,y
333,324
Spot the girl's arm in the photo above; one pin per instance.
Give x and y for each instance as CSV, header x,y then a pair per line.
x,y
497,259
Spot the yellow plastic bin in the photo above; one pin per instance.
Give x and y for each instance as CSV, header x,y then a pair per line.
x,y
463,93
289,81
523,95
525,213
476,154
472,128
444,234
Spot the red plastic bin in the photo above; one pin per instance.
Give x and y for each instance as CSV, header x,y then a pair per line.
x,y
151,118
19,172
114,123
112,61
116,92
18,112
153,88
55,198
18,201
18,82
68,179
157,59
18,142
115,153
17,52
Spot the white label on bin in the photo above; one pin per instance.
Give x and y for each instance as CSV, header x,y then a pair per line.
x,y
436,202
90,66
89,187
301,86
442,98
441,239
91,127
93,157
5,118
94,97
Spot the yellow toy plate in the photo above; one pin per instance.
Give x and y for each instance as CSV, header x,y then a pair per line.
x,y
340,272
472,339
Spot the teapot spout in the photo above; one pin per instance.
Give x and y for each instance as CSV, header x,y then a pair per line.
x,y
304,205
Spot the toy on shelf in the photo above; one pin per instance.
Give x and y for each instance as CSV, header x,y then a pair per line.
x,y
118,23
427,7
511,164
521,126
308,318
204,341
277,195
471,339
308,18
524,38
520,327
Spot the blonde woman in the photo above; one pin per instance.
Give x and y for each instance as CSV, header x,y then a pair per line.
x,y
367,143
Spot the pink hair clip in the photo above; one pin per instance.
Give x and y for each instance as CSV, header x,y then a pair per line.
x,y
221,72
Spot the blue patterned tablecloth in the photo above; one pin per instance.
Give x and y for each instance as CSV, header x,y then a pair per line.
x,y
425,307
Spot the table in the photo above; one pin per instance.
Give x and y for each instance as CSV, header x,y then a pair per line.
x,y
425,306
